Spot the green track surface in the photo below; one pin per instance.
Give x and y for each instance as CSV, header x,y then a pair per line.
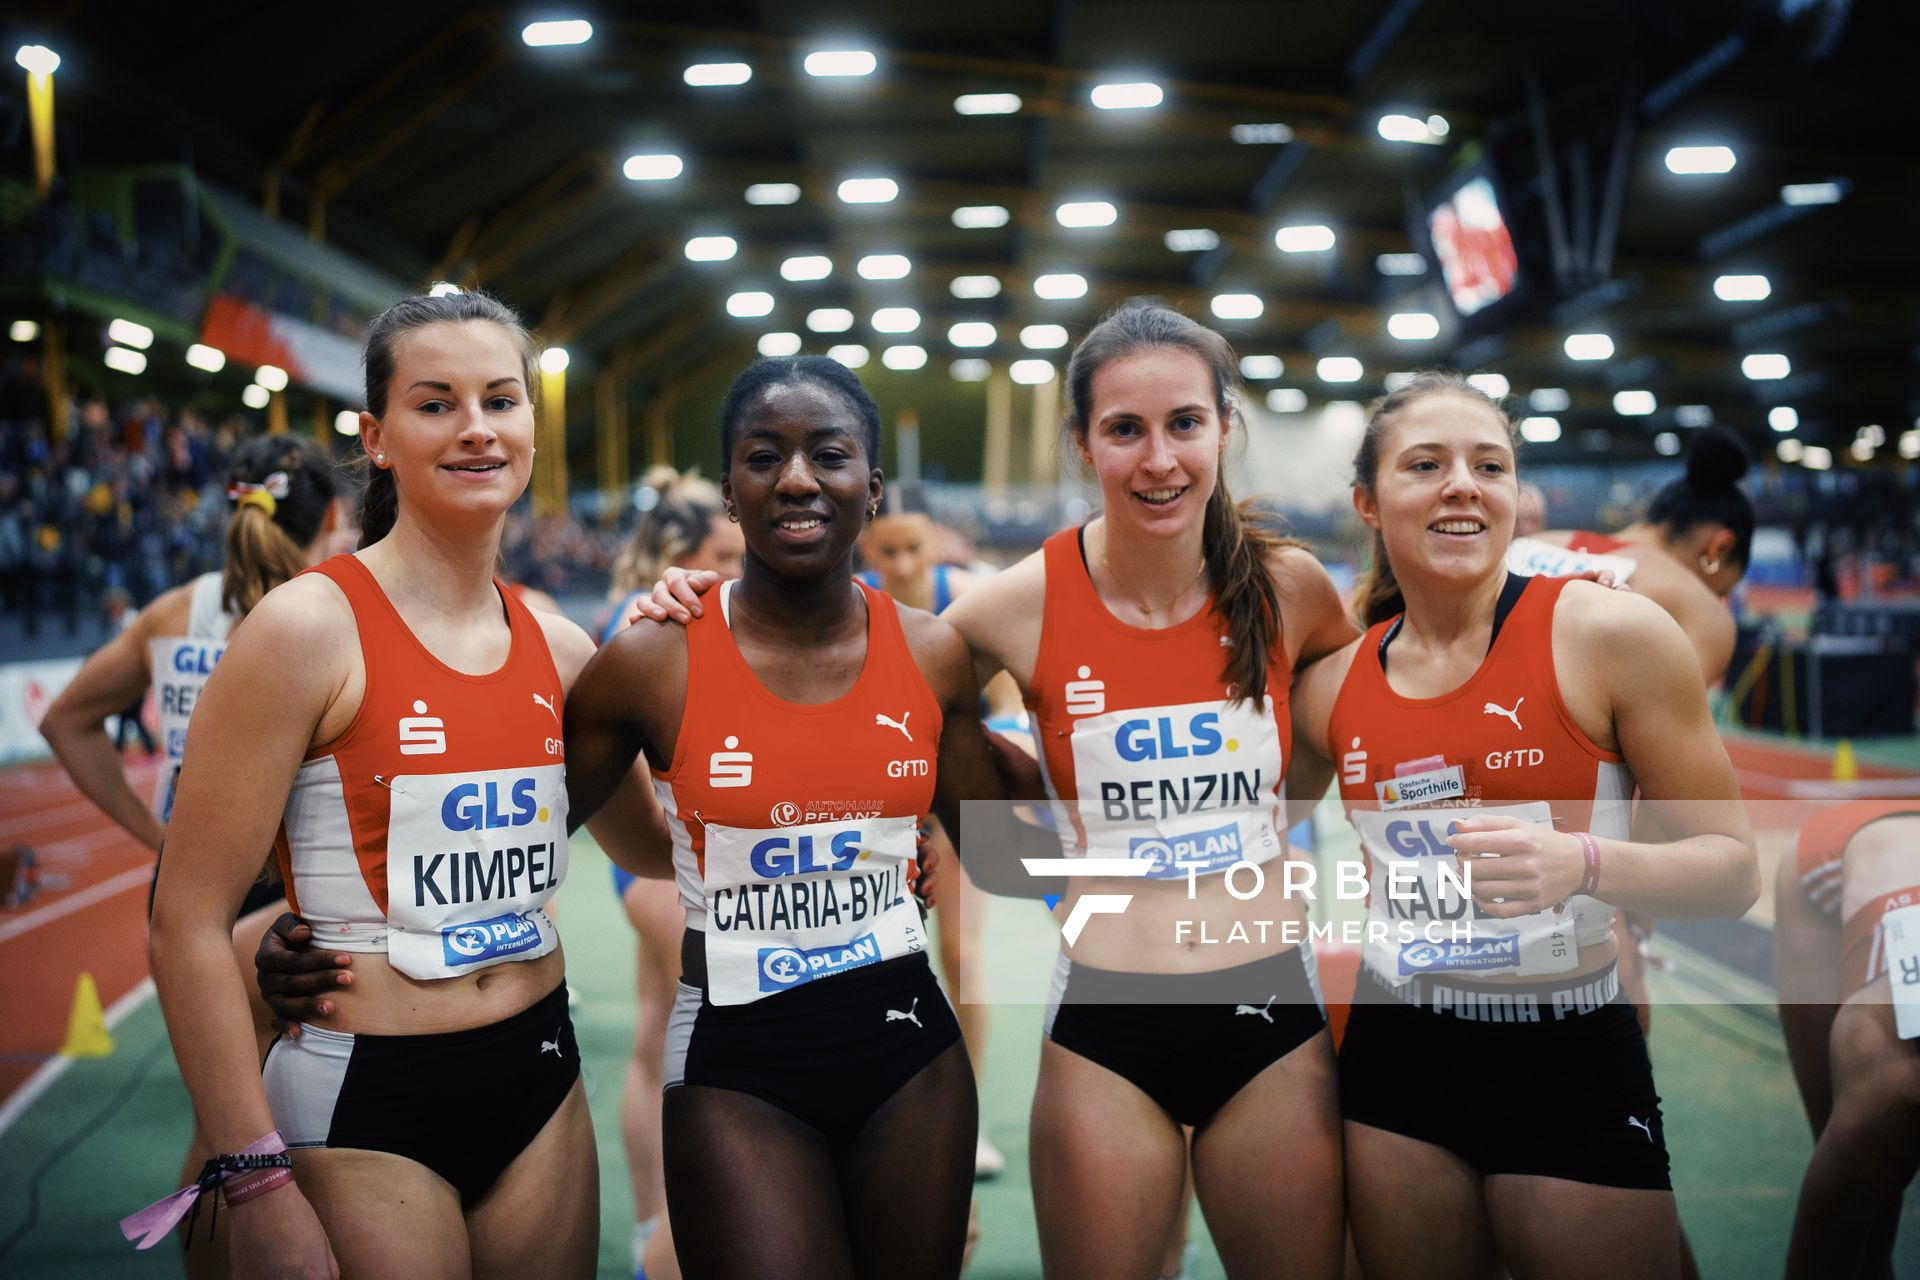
x,y
1733,1120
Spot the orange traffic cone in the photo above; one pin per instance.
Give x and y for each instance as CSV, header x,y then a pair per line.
x,y
87,1034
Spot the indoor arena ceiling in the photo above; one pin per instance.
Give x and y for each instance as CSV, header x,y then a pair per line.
x,y
431,141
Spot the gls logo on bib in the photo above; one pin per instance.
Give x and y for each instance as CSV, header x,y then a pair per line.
x,y
1160,739
474,806
778,856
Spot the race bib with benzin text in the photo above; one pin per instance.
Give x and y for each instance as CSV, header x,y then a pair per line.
x,y
793,905
180,668
1415,887
1532,558
1900,933
1189,787
471,860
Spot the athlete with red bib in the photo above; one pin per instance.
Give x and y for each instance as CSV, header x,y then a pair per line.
x,y
390,722
820,1115
1499,1102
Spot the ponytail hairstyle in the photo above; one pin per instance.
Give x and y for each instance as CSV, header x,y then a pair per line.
x,y
380,499
1380,596
1709,492
1237,550
680,519
281,488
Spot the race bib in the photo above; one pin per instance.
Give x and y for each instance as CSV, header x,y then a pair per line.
x,y
180,667
1415,889
471,860
1532,558
1194,783
1900,931
792,905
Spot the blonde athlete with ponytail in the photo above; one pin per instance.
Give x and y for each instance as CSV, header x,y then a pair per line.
x,y
284,511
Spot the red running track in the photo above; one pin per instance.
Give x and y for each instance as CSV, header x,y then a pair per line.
x,y
90,916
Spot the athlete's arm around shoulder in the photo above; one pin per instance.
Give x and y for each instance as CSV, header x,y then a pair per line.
x,y
991,843
1313,617
1000,619
1315,689
965,770
623,710
1629,676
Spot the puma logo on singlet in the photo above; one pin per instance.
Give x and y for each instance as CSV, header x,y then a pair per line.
x,y
1256,1010
894,1015
553,1044
1495,709
551,710
1642,1126
900,724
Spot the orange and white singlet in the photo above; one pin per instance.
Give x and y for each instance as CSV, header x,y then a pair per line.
x,y
1821,855
1143,747
1585,552
435,827
794,825
1503,742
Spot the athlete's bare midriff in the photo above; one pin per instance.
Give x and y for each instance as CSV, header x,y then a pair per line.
x,y
1168,929
383,1001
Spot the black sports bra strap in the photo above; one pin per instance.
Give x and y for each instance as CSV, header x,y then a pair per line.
x,y
1509,597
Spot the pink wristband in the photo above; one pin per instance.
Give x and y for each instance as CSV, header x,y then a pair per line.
x,y
250,1186
1591,847
155,1222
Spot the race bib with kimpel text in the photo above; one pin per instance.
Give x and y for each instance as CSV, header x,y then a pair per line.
x,y
471,860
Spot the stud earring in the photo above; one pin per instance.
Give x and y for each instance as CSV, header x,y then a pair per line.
x,y
380,459
1709,565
